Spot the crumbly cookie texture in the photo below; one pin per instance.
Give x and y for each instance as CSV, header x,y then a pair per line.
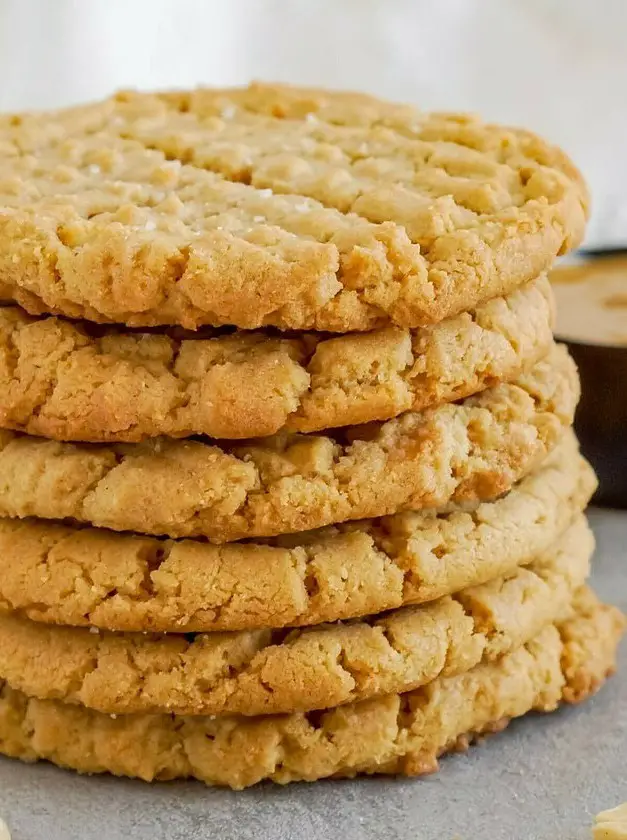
x,y
467,452
611,824
269,672
392,734
58,574
70,382
278,206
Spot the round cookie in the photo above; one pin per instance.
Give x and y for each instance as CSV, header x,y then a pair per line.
x,y
392,734
73,382
64,575
467,452
277,206
271,672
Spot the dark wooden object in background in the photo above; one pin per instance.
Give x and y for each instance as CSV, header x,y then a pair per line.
x,y
601,420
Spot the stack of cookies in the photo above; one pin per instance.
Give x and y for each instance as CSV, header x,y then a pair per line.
x,y
287,478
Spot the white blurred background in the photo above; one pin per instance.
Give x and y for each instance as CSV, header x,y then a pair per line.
x,y
556,66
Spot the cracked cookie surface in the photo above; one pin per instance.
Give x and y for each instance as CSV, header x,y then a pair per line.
x,y
278,206
402,734
269,672
65,575
467,452
73,382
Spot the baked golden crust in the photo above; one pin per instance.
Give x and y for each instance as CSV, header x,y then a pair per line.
x,y
63,575
70,382
392,734
271,672
467,452
294,208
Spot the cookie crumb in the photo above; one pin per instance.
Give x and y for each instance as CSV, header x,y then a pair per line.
x,y
612,824
5,834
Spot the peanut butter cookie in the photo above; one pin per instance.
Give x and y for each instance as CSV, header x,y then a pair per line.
x,y
86,576
75,382
397,733
268,672
278,206
461,453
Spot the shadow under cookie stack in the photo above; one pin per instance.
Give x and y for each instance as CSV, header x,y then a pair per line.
x,y
287,477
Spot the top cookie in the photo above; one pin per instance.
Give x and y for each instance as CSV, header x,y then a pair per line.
x,y
278,206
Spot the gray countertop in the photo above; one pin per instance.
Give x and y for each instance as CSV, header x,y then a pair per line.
x,y
542,779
